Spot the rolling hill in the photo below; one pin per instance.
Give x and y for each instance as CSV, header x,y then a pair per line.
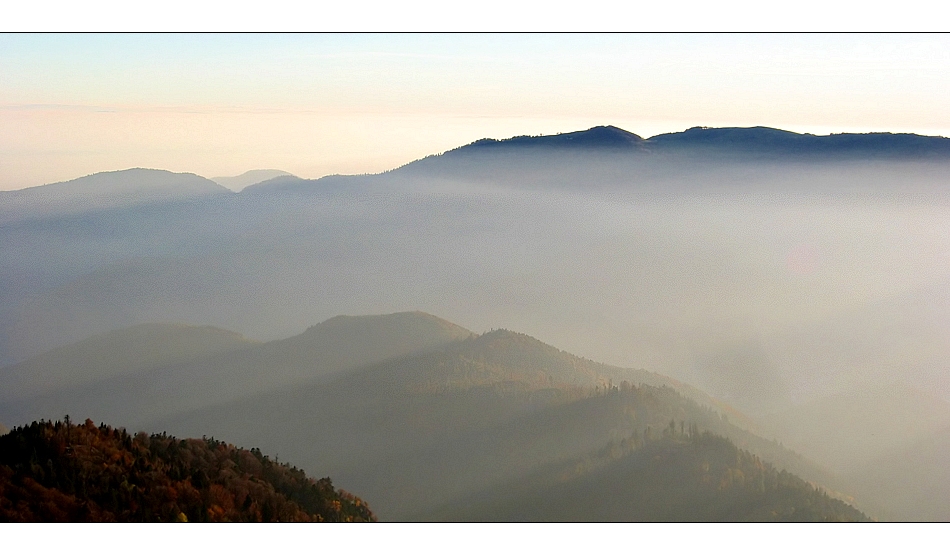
x,y
410,410
137,350
105,191
415,431
769,269
135,375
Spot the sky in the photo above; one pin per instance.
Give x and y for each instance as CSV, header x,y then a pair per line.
x,y
319,104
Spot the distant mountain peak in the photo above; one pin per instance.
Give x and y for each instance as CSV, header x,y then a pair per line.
x,y
106,190
602,136
386,335
400,318
558,155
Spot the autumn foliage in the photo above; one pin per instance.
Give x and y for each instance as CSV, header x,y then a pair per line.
x,y
60,472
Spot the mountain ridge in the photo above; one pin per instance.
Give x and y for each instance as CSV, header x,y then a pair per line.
x,y
743,141
755,142
135,349
92,373
106,191
411,391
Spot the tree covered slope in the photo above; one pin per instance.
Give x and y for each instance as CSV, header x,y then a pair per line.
x,y
415,432
67,473
673,476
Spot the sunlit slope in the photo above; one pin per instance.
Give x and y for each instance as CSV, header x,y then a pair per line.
x,y
417,431
128,382
669,476
67,473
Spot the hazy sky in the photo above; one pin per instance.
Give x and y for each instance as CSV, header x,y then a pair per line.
x,y
223,104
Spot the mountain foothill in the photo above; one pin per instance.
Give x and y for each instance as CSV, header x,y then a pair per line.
x,y
409,410
760,364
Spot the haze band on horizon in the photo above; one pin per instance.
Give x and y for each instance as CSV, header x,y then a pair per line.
x,y
313,105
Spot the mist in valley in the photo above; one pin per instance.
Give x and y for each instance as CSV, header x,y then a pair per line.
x,y
808,291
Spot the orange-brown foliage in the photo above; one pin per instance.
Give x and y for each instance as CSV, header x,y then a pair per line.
x,y
60,472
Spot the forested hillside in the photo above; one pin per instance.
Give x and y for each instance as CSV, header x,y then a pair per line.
x,y
418,431
61,472
410,410
670,475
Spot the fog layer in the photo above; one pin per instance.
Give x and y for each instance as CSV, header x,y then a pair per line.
x,y
771,282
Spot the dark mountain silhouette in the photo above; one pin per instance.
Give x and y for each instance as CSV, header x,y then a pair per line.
x,y
67,473
766,140
605,136
611,159
726,141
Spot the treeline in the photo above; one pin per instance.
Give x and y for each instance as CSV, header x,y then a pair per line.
x,y
61,472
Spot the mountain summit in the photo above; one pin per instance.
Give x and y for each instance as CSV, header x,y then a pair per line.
x,y
787,143
604,136
719,140
105,191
